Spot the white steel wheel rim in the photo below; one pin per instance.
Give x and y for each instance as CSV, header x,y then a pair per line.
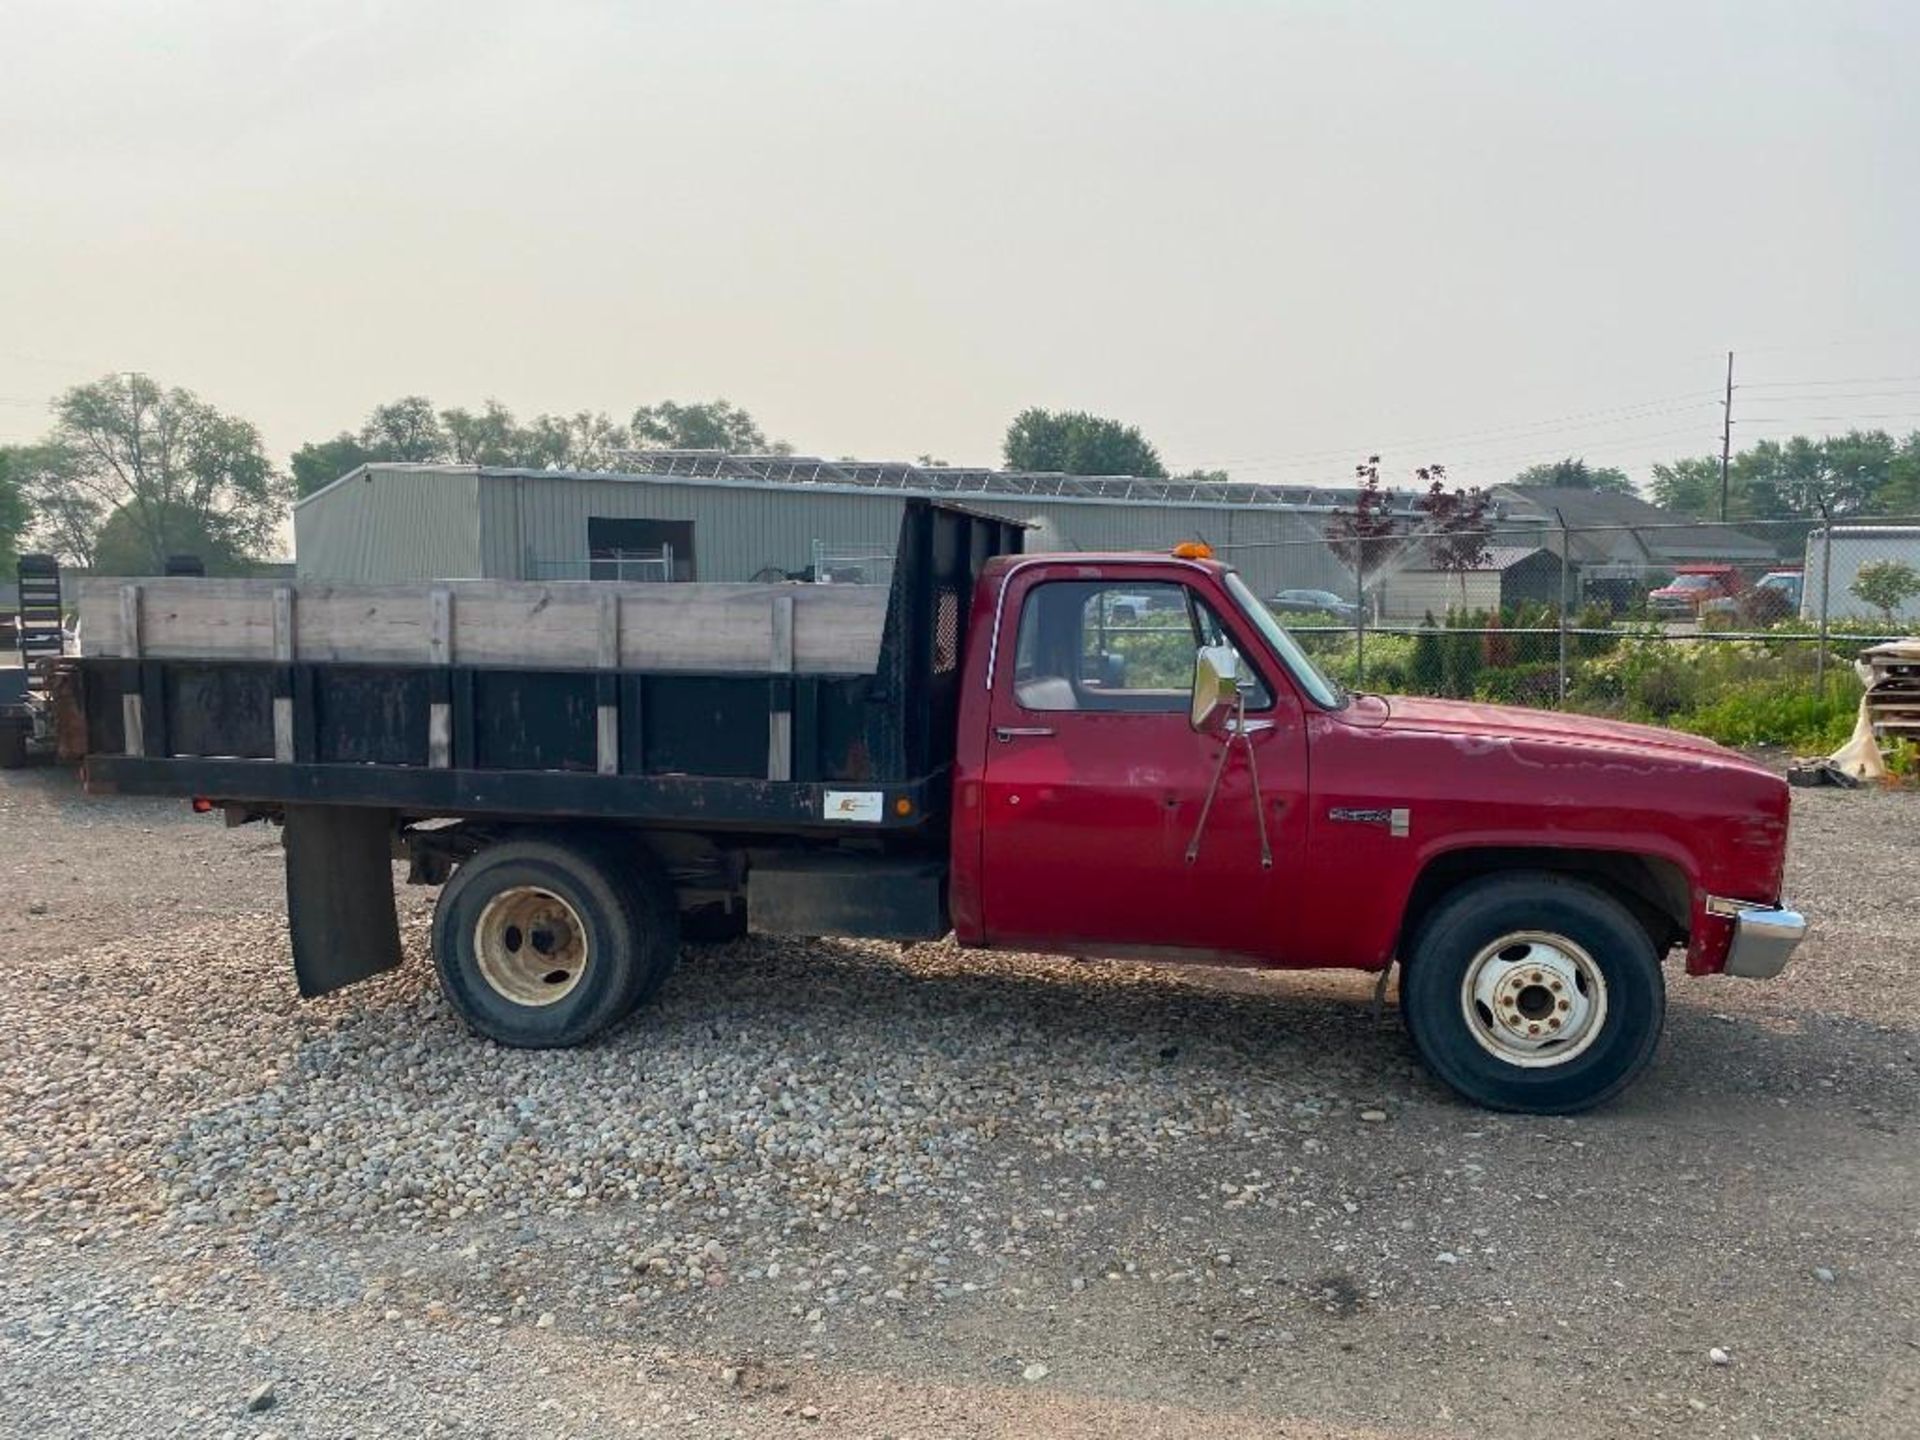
x,y
1534,1000
530,946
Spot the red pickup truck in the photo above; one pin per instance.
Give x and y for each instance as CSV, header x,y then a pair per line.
x,y
1692,587
1032,759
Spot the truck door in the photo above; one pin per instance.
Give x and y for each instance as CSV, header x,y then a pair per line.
x,y
1094,780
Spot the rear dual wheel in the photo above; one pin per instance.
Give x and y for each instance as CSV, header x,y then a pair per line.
x,y
544,943
1536,993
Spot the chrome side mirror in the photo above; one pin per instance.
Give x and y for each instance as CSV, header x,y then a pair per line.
x,y
1216,686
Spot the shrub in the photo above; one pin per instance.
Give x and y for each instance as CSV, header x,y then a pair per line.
x,y
1595,617
1459,657
1389,661
1496,647
1536,683
1663,688
1426,670
1777,713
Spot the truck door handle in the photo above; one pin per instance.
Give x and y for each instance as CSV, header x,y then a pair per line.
x,y
1005,733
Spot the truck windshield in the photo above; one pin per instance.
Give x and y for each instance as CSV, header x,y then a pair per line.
x,y
1308,675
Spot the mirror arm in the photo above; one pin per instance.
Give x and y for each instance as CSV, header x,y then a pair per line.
x,y
1236,730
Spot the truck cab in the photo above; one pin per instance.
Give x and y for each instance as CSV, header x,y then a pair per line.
x,y
1100,806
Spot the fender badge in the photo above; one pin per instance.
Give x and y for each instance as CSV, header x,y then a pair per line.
x,y
1398,822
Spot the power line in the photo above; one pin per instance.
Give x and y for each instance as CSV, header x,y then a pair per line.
x,y
1850,417
1856,380
1645,409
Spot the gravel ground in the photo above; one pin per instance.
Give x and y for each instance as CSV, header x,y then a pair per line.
x,y
838,1188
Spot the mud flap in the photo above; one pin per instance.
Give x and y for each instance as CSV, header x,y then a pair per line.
x,y
340,895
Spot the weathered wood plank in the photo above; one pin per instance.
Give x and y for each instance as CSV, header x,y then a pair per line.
x,y
283,624
440,628
714,627
130,621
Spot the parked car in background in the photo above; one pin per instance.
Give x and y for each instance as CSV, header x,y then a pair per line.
x,y
1123,606
1312,602
1773,597
1693,586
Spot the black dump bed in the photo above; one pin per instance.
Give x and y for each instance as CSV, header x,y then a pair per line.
x,y
579,699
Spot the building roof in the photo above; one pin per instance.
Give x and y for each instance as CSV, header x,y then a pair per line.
x,y
1505,557
803,470
1499,557
1607,514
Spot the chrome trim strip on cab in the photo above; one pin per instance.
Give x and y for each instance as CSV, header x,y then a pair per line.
x,y
1764,937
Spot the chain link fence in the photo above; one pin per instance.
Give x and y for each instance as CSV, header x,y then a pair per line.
x,y
850,565
1745,632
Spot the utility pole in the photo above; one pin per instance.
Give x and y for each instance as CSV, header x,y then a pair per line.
x,y
1726,437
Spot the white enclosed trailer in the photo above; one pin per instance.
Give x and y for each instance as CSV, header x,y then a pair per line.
x,y
1854,546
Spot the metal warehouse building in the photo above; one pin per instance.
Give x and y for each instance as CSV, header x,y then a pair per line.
x,y
686,515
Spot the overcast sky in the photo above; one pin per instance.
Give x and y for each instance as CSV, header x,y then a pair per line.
x,y
1274,235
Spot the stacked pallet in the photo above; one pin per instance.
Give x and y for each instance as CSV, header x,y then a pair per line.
x,y
1891,673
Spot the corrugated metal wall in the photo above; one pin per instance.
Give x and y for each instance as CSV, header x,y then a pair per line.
x,y
537,524
403,523
391,523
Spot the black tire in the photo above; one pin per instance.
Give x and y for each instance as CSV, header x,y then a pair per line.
x,y
714,924
13,743
1435,995
628,938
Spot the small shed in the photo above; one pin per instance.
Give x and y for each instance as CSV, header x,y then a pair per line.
x,y
1512,575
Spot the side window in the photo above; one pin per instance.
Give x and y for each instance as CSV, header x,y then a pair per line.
x,y
1112,645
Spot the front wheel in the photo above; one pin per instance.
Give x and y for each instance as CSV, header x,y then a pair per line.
x,y
1536,993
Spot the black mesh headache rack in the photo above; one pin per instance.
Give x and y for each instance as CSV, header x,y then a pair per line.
x,y
751,706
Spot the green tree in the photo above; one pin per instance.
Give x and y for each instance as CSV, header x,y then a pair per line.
x,y
1073,442
64,517
1455,526
586,440
492,437
15,513
1688,487
406,431
410,431
1863,472
1886,585
1798,477
319,463
1900,495
1575,474
1366,538
122,546
703,425
182,469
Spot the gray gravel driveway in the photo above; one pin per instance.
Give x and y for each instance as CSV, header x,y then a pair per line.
x,y
838,1188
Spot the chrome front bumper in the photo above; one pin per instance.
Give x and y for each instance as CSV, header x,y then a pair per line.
x,y
1763,938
